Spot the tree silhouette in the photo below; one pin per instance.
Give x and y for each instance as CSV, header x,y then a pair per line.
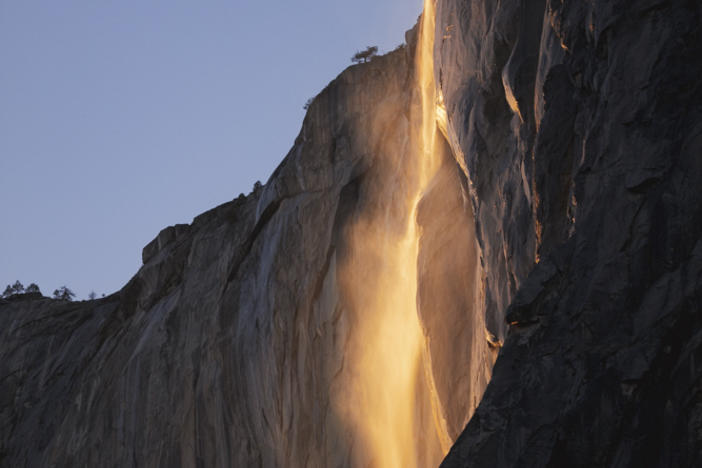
x,y
18,287
366,55
92,295
64,294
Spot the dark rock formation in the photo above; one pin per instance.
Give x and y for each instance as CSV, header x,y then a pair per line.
x,y
605,144
562,228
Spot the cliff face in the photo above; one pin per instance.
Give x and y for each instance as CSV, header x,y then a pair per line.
x,y
522,176
578,124
282,328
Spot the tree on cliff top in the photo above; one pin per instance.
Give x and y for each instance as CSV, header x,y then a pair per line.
x,y
64,294
366,55
17,288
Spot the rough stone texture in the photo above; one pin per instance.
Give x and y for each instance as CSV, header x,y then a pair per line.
x,y
568,236
599,363
450,297
474,44
228,347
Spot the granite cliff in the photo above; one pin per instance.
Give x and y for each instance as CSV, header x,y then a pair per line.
x,y
604,134
517,186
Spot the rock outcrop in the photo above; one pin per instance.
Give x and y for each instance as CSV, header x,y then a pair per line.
x,y
349,312
580,127
250,337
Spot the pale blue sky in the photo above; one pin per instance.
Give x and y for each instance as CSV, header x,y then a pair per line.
x,y
121,117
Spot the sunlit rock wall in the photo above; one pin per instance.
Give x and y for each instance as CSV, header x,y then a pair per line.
x,y
236,344
491,141
560,228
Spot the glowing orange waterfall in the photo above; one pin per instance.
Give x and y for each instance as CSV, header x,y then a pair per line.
x,y
389,401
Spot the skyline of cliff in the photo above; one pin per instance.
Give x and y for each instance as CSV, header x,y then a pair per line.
x,y
118,120
484,247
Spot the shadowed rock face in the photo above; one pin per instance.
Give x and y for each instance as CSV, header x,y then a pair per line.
x,y
579,125
564,221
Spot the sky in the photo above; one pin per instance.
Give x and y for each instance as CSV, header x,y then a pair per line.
x,y
121,117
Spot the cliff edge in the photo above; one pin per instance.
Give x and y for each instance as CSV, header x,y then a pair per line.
x,y
517,186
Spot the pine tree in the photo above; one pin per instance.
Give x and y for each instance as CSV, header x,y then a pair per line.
x,y
64,294
18,288
366,55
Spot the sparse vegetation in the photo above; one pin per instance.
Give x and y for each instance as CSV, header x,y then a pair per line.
x,y
18,288
308,103
365,55
92,295
64,294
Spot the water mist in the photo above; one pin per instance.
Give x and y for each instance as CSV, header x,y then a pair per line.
x,y
389,399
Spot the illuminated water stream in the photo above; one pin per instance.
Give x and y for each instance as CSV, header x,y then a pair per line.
x,y
390,402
